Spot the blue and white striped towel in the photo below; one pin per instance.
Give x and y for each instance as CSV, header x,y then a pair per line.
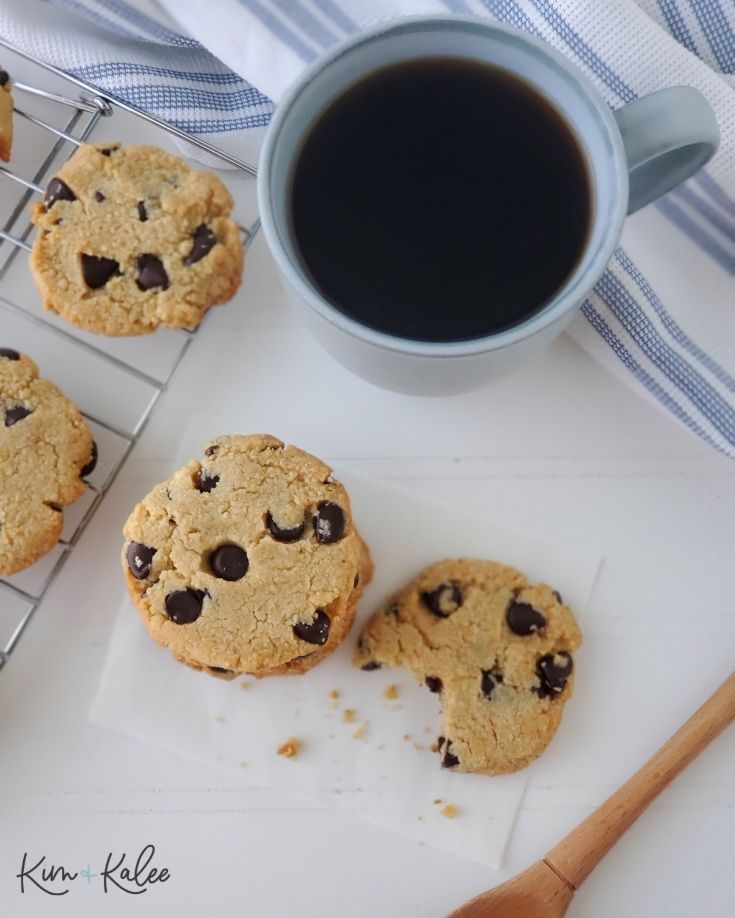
x,y
663,315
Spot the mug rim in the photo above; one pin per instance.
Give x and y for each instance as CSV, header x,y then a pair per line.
x,y
577,286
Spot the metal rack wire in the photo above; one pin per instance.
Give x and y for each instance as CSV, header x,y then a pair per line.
x,y
19,599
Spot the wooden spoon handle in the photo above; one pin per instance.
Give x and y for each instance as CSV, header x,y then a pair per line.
x,y
576,856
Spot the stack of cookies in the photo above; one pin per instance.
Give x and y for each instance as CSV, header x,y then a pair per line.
x,y
247,560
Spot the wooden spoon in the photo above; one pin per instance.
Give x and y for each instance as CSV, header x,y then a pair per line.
x,y
546,888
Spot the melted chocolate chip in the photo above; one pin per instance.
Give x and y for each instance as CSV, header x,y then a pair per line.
x,y
108,151
56,190
211,450
371,665
205,481
13,415
434,684
184,606
99,197
329,522
219,669
92,464
444,600
284,535
140,559
553,671
557,596
490,680
4,77
356,582
204,241
449,759
315,631
151,273
9,354
523,619
142,212
229,562
55,507
97,271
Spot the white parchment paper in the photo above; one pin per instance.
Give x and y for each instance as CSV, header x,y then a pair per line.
x,y
386,773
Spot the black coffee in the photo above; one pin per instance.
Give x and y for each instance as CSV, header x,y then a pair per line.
x,y
440,200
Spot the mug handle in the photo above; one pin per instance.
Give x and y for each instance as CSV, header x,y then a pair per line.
x,y
668,135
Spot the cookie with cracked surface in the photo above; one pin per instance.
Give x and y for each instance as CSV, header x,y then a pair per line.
x,y
496,649
6,115
130,238
46,450
247,561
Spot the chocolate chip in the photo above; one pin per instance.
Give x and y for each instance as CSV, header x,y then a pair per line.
x,y
151,273
97,271
9,354
356,582
204,242
4,77
205,481
142,212
553,670
13,415
55,507
99,197
92,464
284,535
140,559
329,522
490,680
557,596
56,190
184,606
393,608
229,562
211,450
316,631
449,759
444,600
371,665
108,151
219,669
434,684
523,619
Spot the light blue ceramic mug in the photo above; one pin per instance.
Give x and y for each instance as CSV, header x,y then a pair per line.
x,y
634,155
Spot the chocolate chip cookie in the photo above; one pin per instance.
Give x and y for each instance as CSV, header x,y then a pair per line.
x,y
6,115
496,650
247,561
46,450
130,238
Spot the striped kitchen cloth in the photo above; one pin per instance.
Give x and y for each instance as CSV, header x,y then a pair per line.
x,y
662,316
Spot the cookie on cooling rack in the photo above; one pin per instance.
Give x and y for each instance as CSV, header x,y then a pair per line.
x,y
46,450
247,561
496,650
6,115
130,238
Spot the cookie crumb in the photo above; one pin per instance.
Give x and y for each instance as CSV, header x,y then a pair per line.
x,y
381,747
337,790
290,749
244,685
220,719
450,811
361,731
349,715
407,737
420,818
434,747
242,764
394,706
391,692
334,694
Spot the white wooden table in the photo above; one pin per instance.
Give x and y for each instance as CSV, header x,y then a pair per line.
x,y
559,448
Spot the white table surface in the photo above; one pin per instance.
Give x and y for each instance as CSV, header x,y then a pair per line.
x,y
560,449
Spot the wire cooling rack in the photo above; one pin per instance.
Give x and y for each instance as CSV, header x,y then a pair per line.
x,y
141,368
